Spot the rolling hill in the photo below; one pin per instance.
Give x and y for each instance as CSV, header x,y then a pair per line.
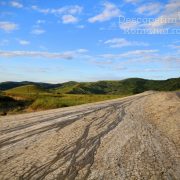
x,y
126,87
10,84
66,87
122,87
27,89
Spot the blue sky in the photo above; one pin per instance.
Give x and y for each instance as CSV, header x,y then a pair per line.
x,y
58,41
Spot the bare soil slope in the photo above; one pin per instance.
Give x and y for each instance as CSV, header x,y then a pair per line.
x,y
137,137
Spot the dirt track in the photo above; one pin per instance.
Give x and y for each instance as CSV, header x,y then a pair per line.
x,y
131,138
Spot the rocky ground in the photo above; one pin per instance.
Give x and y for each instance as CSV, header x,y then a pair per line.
x,y
137,137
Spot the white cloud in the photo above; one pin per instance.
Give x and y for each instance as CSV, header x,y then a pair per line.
x,y
130,54
101,62
149,9
121,42
150,70
129,25
81,50
67,19
44,48
67,13
38,31
68,10
140,52
131,1
23,42
8,26
40,21
170,16
172,59
80,27
175,46
16,4
119,68
59,11
137,58
110,11
74,9
43,54
40,10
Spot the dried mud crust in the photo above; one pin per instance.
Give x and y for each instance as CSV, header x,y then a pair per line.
x,y
130,138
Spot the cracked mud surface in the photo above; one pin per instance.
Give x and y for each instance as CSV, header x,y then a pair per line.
x,y
137,137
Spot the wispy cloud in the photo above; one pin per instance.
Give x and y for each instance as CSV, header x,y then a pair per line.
x,y
170,16
132,1
23,42
128,25
175,46
68,19
150,70
8,26
140,52
121,42
130,54
149,9
38,31
39,21
42,54
67,13
16,4
119,68
80,26
40,10
101,62
59,11
110,11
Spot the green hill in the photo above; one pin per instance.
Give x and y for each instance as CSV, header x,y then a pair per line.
x,y
10,84
127,86
27,89
122,87
40,96
65,87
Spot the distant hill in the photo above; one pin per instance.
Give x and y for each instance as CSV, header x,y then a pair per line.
x,y
127,86
10,84
66,87
27,89
122,87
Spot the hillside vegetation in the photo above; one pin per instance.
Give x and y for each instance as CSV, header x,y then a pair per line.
x,y
126,87
40,96
52,102
10,105
27,89
65,88
10,84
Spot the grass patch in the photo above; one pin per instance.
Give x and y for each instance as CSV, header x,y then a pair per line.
x,y
51,102
12,103
28,89
9,105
